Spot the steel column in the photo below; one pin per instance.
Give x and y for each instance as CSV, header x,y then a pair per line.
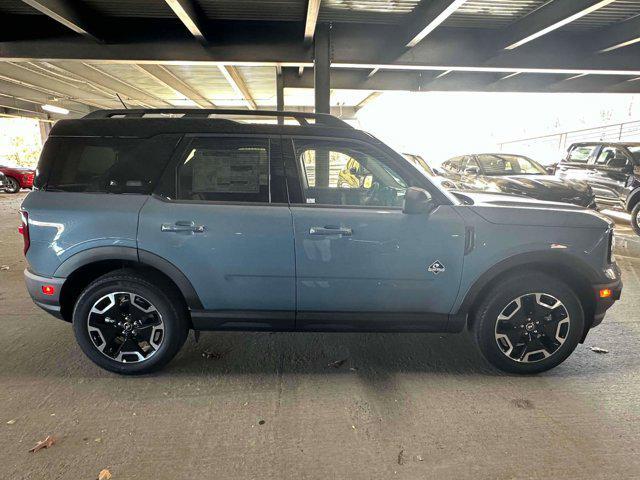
x,y
322,65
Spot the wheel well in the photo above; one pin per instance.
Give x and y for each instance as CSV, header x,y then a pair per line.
x,y
572,277
83,276
634,199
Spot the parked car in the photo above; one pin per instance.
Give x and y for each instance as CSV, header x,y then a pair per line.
x,y
17,178
435,175
612,170
141,228
515,175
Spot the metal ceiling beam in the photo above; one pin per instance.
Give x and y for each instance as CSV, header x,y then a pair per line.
x,y
313,9
428,16
21,105
551,16
70,14
189,14
54,86
162,74
21,92
460,81
238,85
368,99
101,78
619,35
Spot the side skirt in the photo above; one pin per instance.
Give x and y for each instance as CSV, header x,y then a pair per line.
x,y
286,321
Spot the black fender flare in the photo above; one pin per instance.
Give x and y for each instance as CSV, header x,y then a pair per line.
x,y
566,265
131,254
632,199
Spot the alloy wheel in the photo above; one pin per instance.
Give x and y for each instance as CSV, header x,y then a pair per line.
x,y
532,327
125,327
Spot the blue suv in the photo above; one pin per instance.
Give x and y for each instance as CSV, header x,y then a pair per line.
x,y
145,224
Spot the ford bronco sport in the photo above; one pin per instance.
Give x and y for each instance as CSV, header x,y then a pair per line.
x,y
145,224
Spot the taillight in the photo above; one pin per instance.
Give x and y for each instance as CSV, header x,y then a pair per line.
x,y
23,229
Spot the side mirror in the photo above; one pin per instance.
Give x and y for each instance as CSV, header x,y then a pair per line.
x,y
472,171
417,200
551,169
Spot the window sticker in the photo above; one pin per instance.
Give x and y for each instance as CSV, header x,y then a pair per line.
x,y
226,172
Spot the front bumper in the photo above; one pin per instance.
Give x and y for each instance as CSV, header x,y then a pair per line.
x,y
49,303
604,304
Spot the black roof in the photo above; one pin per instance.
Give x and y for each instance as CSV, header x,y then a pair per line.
x,y
149,122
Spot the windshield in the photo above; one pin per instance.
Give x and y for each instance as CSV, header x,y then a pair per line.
x,y
418,161
499,164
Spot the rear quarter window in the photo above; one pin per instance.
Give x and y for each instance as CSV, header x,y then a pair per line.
x,y
104,165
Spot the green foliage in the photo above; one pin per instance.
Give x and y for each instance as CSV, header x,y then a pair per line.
x,y
23,154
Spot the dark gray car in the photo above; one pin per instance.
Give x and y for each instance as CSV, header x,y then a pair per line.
x,y
143,227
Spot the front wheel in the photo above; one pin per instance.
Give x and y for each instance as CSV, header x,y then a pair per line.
x,y
528,323
635,218
12,185
127,323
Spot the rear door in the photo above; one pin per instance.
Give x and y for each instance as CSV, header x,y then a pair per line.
x,y
220,215
612,167
361,262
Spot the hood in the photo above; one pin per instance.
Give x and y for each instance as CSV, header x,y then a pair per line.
x,y
505,209
544,187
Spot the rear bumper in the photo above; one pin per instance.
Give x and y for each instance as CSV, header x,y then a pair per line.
x,y
49,303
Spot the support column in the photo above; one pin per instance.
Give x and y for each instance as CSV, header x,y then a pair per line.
x,y
279,94
322,89
322,65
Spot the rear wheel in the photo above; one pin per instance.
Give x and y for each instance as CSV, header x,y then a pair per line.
x,y
528,323
12,185
127,323
635,218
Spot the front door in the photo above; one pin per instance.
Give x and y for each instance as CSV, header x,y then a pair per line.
x,y
221,218
361,262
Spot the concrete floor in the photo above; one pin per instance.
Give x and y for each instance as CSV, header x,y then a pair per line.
x,y
268,405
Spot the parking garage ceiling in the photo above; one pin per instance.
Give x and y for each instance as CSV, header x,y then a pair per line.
x,y
83,55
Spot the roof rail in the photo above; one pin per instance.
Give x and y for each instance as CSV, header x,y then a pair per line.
x,y
301,117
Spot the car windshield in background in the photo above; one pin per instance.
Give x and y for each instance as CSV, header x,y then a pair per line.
x,y
581,154
419,162
493,164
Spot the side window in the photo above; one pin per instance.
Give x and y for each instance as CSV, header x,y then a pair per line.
x,y
347,173
581,154
225,169
113,165
612,157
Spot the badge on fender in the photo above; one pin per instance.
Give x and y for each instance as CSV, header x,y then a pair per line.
x,y
436,267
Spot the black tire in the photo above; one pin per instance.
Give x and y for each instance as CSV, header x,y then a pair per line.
x,y
503,298
13,186
635,218
166,303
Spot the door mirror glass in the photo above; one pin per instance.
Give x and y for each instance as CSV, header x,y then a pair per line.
x,y
417,200
472,170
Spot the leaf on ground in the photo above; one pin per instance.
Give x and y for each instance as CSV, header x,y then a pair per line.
x,y
11,422
599,350
214,355
4,267
46,443
337,363
104,474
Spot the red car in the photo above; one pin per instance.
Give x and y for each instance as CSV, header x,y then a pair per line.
x,y
17,178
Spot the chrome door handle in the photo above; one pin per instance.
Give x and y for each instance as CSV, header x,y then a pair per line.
x,y
331,230
182,226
